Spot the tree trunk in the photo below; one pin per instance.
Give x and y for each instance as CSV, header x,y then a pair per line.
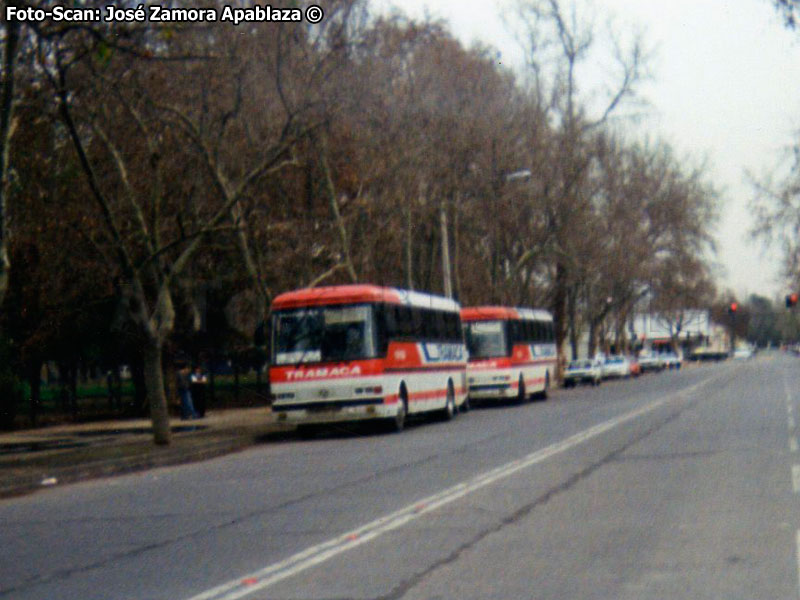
x,y
560,314
456,252
409,249
573,324
157,399
330,188
12,28
591,347
447,277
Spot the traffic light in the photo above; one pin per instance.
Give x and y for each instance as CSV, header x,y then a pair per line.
x,y
733,308
791,300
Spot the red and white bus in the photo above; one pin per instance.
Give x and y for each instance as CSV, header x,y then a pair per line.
x,y
354,352
512,352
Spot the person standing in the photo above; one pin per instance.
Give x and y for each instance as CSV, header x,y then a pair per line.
x,y
199,385
185,393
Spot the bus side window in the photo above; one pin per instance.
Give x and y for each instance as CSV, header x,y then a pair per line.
x,y
429,322
386,326
439,325
512,334
417,323
405,322
453,328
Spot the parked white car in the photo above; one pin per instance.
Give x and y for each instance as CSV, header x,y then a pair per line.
x,y
650,362
616,366
583,371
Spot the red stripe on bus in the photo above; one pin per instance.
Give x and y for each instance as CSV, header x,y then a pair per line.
x,y
505,363
491,363
403,354
418,396
538,361
488,313
345,370
341,294
430,369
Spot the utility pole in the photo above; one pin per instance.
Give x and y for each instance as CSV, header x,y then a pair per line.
x,y
446,273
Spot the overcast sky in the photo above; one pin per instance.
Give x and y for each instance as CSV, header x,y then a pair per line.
x,y
725,89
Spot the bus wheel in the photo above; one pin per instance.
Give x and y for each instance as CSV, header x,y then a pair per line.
x,y
398,422
449,410
543,395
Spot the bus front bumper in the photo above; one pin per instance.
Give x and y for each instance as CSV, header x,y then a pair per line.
x,y
488,391
334,411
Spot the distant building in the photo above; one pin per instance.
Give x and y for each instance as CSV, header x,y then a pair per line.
x,y
691,327
653,332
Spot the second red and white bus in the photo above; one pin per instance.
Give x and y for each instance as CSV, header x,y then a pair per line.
x,y
512,352
355,352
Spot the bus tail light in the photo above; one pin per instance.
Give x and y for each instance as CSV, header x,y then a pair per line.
x,y
377,389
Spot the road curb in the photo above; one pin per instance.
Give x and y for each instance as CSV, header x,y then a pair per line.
x,y
45,478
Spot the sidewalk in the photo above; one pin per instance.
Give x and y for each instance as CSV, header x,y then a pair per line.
x,y
37,458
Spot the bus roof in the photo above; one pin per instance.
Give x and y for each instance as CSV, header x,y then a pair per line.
x,y
361,294
494,313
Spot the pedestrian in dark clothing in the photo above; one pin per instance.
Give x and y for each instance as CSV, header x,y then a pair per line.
x,y
199,385
185,392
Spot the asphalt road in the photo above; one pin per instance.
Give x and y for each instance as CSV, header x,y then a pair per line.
x,y
679,485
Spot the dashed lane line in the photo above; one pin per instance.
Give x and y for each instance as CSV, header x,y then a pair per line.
x,y
271,574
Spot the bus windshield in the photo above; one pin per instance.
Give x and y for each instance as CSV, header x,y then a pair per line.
x,y
323,334
486,339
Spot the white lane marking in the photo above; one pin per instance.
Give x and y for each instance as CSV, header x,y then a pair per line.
x,y
796,478
793,444
271,574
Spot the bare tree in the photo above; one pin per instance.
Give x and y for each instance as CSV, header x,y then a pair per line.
x,y
776,204
557,43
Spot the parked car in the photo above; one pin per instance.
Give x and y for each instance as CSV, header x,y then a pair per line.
x,y
583,371
743,353
650,362
671,360
616,366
